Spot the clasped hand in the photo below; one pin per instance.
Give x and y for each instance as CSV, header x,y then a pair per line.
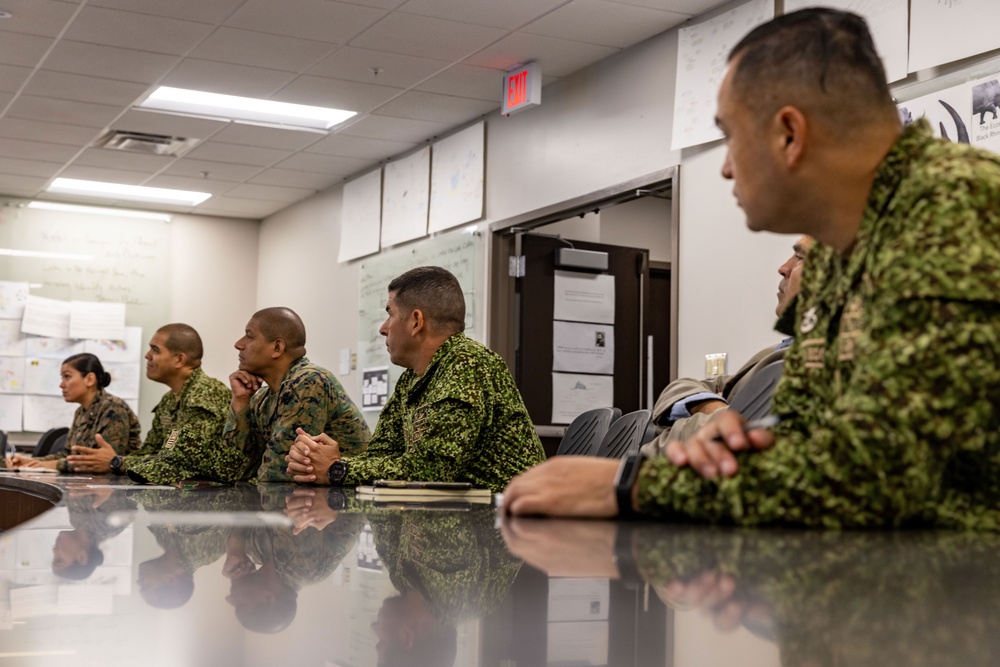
x,y
310,457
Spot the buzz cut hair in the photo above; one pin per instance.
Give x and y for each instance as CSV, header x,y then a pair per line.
x,y
436,292
284,324
183,339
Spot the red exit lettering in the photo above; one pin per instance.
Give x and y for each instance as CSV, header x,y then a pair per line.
x,y
517,89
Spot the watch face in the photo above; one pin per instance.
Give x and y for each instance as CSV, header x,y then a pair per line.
x,y
338,471
116,462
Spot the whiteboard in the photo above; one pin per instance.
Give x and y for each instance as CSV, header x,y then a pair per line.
x,y
457,178
361,214
459,252
405,198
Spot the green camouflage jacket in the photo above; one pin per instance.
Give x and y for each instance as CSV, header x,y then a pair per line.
x,y
310,398
463,420
109,416
894,374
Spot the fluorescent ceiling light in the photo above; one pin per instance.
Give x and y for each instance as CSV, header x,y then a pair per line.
x,y
39,254
72,186
96,210
231,107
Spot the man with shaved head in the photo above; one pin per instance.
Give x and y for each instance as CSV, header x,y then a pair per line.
x,y
298,394
185,440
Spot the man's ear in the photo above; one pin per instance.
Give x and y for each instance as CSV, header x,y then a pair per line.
x,y
792,133
277,348
180,360
417,322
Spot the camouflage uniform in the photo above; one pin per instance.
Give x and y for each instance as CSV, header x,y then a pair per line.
x,y
185,439
309,398
894,374
463,420
109,416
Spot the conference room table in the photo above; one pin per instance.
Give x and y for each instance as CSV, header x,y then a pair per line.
x,y
96,570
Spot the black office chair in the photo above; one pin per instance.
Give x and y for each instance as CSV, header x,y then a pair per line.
x,y
59,443
586,431
48,439
753,400
625,435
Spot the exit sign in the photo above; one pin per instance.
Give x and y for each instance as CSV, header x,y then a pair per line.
x,y
522,88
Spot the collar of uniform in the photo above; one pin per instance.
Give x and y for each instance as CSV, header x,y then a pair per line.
x,y
420,381
177,399
298,363
92,409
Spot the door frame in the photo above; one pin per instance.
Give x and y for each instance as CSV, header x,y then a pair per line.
x,y
502,324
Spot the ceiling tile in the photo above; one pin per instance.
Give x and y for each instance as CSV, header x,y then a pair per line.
x,y
467,81
137,31
35,168
246,208
62,85
214,11
324,164
115,159
378,126
221,171
365,148
172,125
558,57
25,50
426,37
270,192
111,62
300,179
320,20
36,150
62,111
509,14
245,155
257,49
604,23
104,175
226,78
213,187
37,17
692,7
395,70
266,137
336,93
380,4
56,133
13,77
431,106
21,186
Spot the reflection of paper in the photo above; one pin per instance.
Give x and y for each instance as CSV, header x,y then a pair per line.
x,y
374,388
85,600
584,297
583,348
32,601
12,341
11,375
130,348
13,296
52,348
46,317
41,376
11,406
124,379
701,63
573,394
578,643
90,319
44,412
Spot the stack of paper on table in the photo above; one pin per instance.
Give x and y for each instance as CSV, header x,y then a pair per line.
x,y
391,490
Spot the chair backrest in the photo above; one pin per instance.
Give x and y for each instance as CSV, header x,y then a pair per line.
x,y
59,443
586,431
625,435
753,400
44,446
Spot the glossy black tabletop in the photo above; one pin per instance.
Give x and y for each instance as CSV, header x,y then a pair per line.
x,y
285,575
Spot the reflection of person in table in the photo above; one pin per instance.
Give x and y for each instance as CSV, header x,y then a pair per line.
x,y
77,553
100,413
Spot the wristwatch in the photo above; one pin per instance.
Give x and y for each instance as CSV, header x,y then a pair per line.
x,y
336,473
628,473
116,464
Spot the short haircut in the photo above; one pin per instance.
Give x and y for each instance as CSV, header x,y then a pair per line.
x,y
86,363
282,323
183,339
822,61
436,292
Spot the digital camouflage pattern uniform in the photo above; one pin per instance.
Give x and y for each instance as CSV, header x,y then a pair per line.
x,y
310,398
894,375
185,439
463,420
456,561
109,416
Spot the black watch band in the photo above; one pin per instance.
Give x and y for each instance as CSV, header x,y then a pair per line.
x,y
628,473
116,464
336,473
628,570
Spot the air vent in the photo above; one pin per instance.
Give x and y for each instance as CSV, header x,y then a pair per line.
x,y
142,142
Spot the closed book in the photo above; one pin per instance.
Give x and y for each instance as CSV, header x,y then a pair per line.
x,y
423,491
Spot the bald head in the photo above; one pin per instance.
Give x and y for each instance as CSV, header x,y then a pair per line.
x,y
821,61
282,324
183,339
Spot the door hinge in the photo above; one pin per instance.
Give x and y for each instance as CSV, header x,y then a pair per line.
x,y
515,266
